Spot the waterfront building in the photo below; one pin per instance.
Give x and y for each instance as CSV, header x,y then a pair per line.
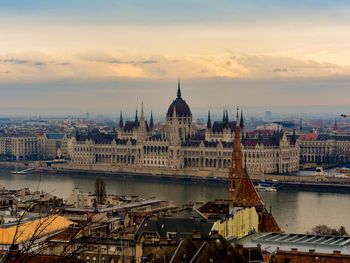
x,y
53,145
180,147
31,147
19,147
324,148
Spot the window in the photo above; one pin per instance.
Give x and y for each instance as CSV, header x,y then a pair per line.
x,y
171,235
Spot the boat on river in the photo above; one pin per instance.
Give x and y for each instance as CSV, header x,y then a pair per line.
x,y
265,188
25,171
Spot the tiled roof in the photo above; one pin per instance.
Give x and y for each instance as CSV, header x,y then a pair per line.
x,y
308,137
44,226
162,226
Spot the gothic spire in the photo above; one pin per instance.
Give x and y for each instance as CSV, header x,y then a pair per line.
x,y
178,88
121,122
209,120
151,122
237,118
136,122
241,122
142,117
227,116
241,189
223,116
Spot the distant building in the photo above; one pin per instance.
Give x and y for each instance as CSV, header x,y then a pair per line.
x,y
295,248
179,147
324,148
53,144
19,147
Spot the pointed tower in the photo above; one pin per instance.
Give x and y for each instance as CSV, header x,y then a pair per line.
x,y
136,122
242,192
142,117
301,123
151,122
121,122
335,125
178,88
142,129
209,121
241,122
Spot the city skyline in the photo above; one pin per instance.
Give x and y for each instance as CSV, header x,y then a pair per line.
x,y
71,58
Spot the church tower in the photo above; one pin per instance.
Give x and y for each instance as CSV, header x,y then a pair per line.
x,y
142,129
242,192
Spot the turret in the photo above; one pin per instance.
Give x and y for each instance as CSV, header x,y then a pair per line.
x,y
209,121
121,122
142,130
241,122
178,88
151,122
142,117
136,122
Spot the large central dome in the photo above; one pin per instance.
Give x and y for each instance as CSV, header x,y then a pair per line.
x,y
181,107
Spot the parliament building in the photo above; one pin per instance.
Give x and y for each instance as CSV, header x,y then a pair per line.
x,y
180,147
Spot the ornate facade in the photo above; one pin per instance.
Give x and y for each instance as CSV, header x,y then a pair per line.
x,y
180,147
324,148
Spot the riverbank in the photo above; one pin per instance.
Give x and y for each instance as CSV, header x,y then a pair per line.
x,y
306,183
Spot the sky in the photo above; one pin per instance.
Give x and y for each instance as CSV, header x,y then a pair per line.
x,y
71,57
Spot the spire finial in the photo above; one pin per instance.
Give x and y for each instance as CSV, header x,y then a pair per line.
x,y
142,118
178,87
237,117
209,120
121,122
241,122
151,122
136,119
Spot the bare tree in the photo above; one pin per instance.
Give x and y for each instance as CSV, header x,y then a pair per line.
x,y
326,230
100,191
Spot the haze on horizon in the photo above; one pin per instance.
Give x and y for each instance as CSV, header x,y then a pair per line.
x,y
71,57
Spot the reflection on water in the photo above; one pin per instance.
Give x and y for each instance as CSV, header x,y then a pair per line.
x,y
295,211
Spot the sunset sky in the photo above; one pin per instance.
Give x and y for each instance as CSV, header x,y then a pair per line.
x,y
70,57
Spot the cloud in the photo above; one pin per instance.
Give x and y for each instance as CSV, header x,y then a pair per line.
x,y
116,61
14,61
150,61
39,63
62,63
39,67
280,70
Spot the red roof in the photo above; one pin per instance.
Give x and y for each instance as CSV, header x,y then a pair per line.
x,y
308,137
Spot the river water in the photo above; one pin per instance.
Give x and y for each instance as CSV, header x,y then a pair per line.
x,y
295,211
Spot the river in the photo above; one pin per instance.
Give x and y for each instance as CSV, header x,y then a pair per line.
x,y
295,211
